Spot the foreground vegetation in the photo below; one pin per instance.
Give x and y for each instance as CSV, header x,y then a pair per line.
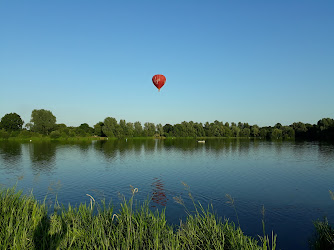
x,y
27,224
323,237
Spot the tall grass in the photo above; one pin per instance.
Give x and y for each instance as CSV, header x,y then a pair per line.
x,y
20,218
26,224
323,237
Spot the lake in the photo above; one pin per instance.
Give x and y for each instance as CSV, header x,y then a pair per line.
x,y
290,179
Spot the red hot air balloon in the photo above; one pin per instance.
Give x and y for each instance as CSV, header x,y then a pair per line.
x,y
159,81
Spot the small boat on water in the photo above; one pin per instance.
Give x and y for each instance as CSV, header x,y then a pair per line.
x,y
201,141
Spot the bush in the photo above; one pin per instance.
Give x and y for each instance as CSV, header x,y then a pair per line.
x,y
64,135
4,134
55,134
14,133
25,134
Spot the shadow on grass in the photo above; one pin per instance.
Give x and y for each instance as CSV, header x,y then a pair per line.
x,y
44,238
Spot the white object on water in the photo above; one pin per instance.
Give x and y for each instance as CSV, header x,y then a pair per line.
x,y
30,140
201,141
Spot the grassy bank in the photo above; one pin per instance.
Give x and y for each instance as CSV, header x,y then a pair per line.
x,y
39,137
48,138
28,224
75,138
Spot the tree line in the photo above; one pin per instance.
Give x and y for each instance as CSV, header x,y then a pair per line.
x,y
44,123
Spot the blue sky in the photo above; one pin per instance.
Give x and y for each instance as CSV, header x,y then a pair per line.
x,y
260,62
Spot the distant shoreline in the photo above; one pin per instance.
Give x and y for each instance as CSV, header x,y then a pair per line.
x,y
96,138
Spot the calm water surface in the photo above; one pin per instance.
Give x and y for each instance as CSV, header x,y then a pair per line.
x,y
290,179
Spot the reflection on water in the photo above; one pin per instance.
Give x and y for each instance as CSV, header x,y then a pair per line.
x,y
11,155
326,155
42,156
97,194
54,187
158,193
112,149
291,179
84,146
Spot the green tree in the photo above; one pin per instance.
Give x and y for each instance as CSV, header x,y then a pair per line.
x,y
25,134
4,134
178,130
62,129
98,129
86,128
11,122
129,129
325,128
55,134
278,125
199,130
207,129
299,127
245,132
28,126
227,131
240,125
110,127
188,129
122,128
276,134
255,131
325,123
235,131
168,130
60,126
159,129
138,129
263,133
43,121
79,132
72,131
288,132
149,129
215,130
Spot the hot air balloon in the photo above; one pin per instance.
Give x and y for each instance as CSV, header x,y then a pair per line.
x,y
159,81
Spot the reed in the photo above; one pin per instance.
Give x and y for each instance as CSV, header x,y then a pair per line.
x,y
28,224
323,237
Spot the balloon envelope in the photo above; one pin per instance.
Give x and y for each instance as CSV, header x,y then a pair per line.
x,y
159,81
